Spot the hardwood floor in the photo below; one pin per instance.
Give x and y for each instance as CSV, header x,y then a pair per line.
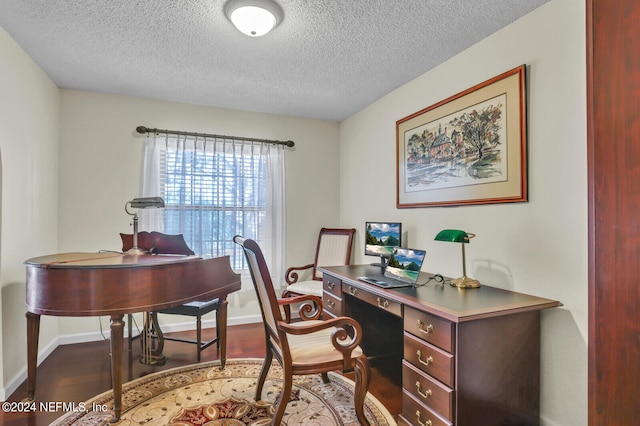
x,y
75,373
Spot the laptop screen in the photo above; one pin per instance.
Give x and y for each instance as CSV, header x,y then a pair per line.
x,y
405,264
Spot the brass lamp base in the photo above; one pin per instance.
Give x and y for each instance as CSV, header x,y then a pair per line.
x,y
135,251
465,282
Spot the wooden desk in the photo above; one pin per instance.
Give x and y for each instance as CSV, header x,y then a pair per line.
x,y
93,284
463,356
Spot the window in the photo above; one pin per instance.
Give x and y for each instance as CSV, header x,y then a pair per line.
x,y
215,189
210,197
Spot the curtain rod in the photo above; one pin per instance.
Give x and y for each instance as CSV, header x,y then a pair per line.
x,y
143,129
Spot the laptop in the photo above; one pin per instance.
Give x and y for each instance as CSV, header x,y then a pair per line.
x,y
402,270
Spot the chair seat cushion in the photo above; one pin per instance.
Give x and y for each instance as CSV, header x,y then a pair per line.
x,y
311,287
196,308
315,348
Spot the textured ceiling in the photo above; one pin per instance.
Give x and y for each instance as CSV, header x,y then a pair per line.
x,y
328,59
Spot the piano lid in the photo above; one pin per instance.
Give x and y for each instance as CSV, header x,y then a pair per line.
x,y
81,260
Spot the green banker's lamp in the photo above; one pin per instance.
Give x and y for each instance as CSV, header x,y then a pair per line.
x,y
457,236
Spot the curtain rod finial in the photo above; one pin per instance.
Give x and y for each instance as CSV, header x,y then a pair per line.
x,y
141,129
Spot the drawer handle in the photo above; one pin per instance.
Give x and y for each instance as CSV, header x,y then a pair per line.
x,y
353,290
331,286
427,330
426,394
428,361
331,303
383,305
427,423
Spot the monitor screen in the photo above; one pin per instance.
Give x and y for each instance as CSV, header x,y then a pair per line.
x,y
382,238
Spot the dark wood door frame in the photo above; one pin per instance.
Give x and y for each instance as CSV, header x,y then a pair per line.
x,y
613,138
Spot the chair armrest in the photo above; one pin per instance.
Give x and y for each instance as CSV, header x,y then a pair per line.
x,y
291,277
307,311
340,338
297,299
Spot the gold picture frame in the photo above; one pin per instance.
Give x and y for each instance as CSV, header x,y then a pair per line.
x,y
468,149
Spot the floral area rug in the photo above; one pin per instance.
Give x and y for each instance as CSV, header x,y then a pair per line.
x,y
202,394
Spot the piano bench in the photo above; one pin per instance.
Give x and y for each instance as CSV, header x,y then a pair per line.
x,y
196,309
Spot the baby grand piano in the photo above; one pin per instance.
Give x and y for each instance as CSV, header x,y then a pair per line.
x,y
115,284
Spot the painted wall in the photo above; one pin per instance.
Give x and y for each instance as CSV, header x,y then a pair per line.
x,y
539,247
100,156
29,110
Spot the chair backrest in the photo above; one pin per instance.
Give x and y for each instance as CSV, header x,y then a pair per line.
x,y
264,287
334,248
157,243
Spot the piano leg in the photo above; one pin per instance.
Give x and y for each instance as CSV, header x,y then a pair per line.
x,y
33,333
130,330
221,323
117,343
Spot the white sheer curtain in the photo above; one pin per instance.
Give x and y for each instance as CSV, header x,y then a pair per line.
x,y
215,189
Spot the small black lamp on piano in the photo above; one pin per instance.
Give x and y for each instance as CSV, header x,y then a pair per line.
x,y
140,203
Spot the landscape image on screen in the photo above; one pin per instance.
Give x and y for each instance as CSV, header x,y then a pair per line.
x,y
382,238
406,266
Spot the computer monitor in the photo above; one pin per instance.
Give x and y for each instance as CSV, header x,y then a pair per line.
x,y
381,239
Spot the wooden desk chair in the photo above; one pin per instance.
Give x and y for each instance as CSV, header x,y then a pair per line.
x,y
308,347
159,243
333,249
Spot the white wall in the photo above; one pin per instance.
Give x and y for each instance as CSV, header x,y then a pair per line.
x,y
100,155
29,108
539,247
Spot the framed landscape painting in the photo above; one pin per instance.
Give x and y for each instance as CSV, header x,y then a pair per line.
x,y
468,149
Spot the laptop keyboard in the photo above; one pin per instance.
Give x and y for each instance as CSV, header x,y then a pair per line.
x,y
382,281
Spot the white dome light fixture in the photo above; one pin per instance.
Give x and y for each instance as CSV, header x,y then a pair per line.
x,y
254,18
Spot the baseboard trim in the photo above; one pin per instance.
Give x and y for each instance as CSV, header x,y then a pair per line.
x,y
68,339
11,386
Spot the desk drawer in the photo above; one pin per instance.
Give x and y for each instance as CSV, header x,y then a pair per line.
x,y
430,392
332,285
430,328
416,413
428,358
402,421
331,304
380,301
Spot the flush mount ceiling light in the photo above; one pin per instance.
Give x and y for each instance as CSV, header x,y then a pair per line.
x,y
254,18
